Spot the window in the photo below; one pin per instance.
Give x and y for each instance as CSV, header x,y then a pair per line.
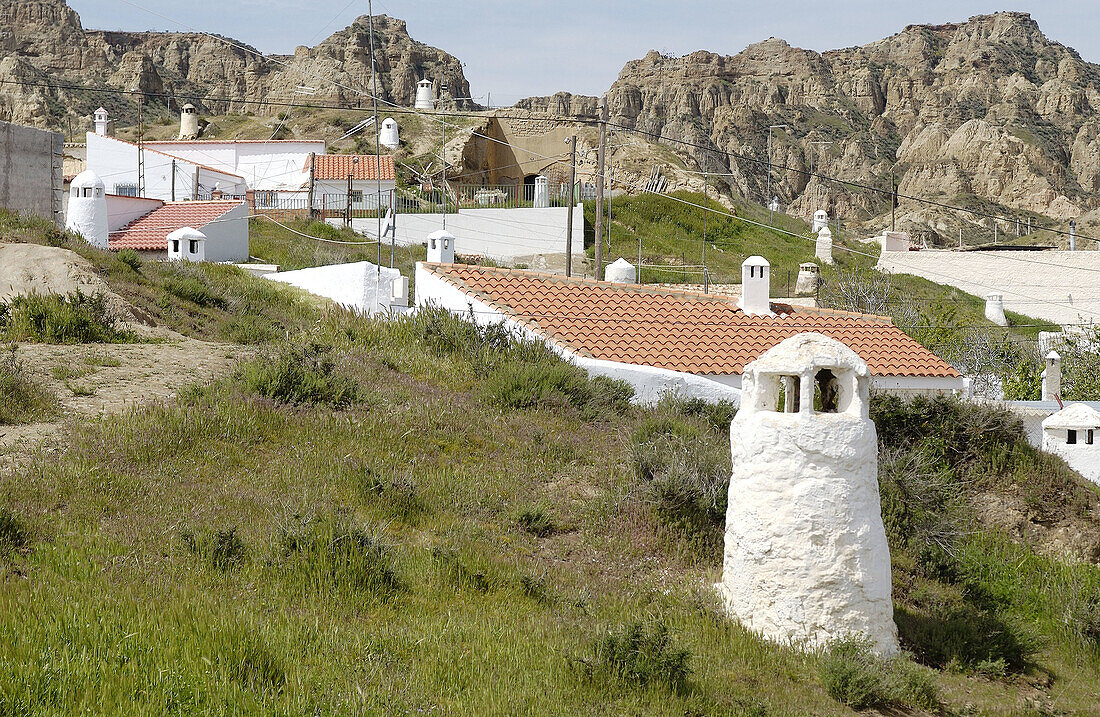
x,y
175,246
1071,438
1088,438
194,246
826,392
126,189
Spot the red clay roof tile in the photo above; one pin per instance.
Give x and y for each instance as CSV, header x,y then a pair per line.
x,y
339,166
681,331
150,232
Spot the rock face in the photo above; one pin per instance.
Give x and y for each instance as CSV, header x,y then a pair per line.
x,y
42,42
806,559
988,109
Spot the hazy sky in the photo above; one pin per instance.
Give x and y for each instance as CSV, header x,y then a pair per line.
x,y
520,48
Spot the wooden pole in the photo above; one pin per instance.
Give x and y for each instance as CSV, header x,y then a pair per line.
x,y
195,185
572,200
312,161
173,180
600,157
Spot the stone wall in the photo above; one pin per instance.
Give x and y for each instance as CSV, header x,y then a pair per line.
x,y
30,171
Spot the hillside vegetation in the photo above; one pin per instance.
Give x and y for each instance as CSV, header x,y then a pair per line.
x,y
421,516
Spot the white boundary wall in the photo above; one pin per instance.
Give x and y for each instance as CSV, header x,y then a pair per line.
x,y
361,286
1059,286
123,210
498,234
30,171
227,236
264,165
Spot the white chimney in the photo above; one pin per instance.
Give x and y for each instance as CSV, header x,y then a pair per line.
x,y
189,122
808,276
187,244
541,199
1052,376
995,309
756,287
425,98
824,248
821,220
620,271
101,122
388,134
441,247
87,213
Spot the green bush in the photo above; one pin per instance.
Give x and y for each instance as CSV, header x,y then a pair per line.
x,y
333,554
299,375
966,637
399,495
194,289
222,548
638,654
74,319
130,258
21,399
537,521
556,384
14,533
455,570
855,676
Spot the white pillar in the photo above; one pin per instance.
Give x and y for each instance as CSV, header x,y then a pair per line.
x,y
824,249
542,192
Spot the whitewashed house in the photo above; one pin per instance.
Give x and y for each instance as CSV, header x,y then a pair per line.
x,y
1074,434
368,175
662,340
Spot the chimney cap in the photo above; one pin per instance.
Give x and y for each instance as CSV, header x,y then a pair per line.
x,y
1053,355
755,260
186,233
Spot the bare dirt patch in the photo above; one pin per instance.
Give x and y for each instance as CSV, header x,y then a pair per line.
x,y
92,379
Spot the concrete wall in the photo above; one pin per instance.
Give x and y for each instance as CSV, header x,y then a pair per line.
x,y
264,165
499,234
1059,286
1082,457
30,171
362,287
116,162
227,238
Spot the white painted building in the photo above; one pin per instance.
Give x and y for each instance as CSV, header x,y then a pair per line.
x,y
1073,433
372,178
263,165
806,559
167,177
663,340
361,286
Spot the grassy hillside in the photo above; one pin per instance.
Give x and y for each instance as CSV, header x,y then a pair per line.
x,y
423,517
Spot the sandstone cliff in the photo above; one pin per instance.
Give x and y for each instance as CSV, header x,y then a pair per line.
x,y
987,111
43,42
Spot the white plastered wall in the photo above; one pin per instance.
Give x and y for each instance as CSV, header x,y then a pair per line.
x,y
1081,457
115,162
123,210
227,237
361,286
263,165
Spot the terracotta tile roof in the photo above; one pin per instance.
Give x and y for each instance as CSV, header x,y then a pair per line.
x,y
167,142
338,166
681,331
150,232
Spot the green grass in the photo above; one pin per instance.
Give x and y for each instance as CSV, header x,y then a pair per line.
x,y
74,319
22,399
273,244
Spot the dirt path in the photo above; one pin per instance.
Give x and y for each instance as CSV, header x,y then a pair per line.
x,y
91,379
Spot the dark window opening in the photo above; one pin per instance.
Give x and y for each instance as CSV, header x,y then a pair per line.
x,y
175,246
1071,438
826,392
1088,438
194,246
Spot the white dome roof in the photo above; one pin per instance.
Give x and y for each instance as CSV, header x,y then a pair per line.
x,y
1075,416
87,180
185,234
755,261
389,122
441,234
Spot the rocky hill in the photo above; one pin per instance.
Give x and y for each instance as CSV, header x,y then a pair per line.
x,y
989,112
42,42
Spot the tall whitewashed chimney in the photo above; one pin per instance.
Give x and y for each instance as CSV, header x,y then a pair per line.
x,y
189,122
756,287
995,309
101,122
824,249
87,215
441,247
425,98
1052,376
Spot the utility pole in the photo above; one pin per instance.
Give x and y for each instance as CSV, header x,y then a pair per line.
x,y
173,180
347,206
195,185
443,148
312,176
141,146
893,201
768,199
601,155
706,210
377,148
569,216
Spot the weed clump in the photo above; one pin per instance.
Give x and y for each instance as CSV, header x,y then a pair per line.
x,y
222,548
14,533
556,384
399,495
193,288
330,553
254,665
537,521
638,654
130,258
855,676
455,570
74,319
21,399
300,375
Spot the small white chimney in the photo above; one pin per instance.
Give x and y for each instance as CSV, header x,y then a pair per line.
x,y
541,199
1052,376
620,271
756,287
399,293
441,247
425,98
101,122
808,276
187,244
995,309
388,134
189,122
824,249
821,220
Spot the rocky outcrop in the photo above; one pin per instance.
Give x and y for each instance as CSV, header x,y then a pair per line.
x,y
44,39
989,107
